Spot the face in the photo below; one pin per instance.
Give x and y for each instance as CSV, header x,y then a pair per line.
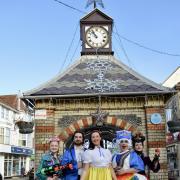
x,y
96,138
138,147
96,36
124,145
78,139
54,146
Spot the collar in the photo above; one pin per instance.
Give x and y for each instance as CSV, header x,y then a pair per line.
x,y
78,147
124,152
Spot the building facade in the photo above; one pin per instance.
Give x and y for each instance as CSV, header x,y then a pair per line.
x,y
100,92
173,130
15,148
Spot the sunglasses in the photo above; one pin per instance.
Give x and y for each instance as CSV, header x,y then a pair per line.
x,y
124,141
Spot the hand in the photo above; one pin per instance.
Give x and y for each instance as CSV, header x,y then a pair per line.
x,y
55,177
49,178
80,164
121,172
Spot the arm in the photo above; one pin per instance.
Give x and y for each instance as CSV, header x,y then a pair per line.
x,y
154,164
85,171
112,173
38,173
126,171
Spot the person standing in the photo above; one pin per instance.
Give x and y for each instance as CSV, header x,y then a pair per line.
x,y
138,145
49,159
74,155
97,160
127,164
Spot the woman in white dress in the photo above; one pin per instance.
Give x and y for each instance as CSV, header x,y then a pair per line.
x,y
97,160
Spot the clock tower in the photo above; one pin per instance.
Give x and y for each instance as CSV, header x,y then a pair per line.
x,y
96,33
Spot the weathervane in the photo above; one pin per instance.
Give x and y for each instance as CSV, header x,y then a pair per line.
x,y
95,2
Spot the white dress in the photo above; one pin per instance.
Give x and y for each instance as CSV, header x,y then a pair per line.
x,y
99,160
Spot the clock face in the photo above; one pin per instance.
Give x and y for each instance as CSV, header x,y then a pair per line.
x,y
97,36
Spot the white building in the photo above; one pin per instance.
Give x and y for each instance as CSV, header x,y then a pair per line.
x,y
15,149
173,118
173,79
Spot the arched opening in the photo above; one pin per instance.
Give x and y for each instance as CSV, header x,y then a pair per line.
x,y
108,133
86,125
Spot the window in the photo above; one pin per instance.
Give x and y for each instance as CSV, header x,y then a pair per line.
x,y
4,135
7,114
7,136
1,135
2,112
22,140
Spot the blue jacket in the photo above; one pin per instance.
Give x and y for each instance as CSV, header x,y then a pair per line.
x,y
69,157
134,162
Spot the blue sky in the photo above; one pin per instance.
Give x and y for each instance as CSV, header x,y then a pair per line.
x,y
36,34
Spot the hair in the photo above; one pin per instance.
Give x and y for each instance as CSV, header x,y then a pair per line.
x,y
91,145
138,138
76,133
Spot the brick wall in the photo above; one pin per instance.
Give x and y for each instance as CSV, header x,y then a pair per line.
x,y
64,117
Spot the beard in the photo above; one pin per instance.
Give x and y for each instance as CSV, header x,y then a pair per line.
x,y
78,143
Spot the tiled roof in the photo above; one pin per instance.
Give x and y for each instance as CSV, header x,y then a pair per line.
x,y
102,74
12,101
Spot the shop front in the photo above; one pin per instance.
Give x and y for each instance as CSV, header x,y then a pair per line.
x,y
15,161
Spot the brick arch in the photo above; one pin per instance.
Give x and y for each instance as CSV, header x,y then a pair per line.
x,y
87,122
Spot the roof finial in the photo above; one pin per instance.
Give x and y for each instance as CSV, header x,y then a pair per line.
x,y
95,2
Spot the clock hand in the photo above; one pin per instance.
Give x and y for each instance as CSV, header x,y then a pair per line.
x,y
94,34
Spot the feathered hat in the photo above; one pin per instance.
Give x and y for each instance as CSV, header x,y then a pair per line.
x,y
138,138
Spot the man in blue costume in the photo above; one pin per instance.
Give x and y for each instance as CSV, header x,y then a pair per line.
x,y
74,155
127,164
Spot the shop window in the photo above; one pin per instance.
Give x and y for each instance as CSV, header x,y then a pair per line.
x,y
16,168
7,166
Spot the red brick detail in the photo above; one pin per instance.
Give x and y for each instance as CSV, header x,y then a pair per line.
x,y
123,124
154,110
114,121
132,129
76,126
42,147
68,130
156,127
50,112
156,144
44,129
85,122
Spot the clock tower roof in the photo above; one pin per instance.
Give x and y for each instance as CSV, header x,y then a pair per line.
x,y
96,16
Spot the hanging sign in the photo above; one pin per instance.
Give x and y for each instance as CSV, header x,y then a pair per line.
x,y
40,114
156,118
